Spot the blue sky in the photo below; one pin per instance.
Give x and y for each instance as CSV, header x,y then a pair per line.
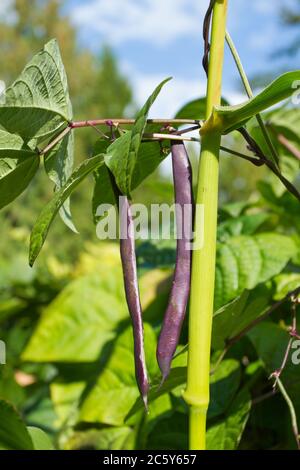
x,y
154,39
158,38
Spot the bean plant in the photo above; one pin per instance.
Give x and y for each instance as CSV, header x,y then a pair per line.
x,y
226,282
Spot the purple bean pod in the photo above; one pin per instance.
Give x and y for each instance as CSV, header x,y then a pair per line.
x,y
175,313
128,257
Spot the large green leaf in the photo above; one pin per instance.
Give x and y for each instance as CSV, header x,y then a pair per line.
x,y
286,121
224,384
110,438
231,319
81,320
270,341
286,283
226,378
228,118
18,165
13,147
13,432
171,433
243,262
103,190
226,434
46,217
116,391
40,439
195,109
16,175
150,155
244,225
37,104
59,166
122,155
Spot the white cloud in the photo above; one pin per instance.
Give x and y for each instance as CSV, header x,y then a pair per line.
x,y
156,21
175,93
265,6
7,13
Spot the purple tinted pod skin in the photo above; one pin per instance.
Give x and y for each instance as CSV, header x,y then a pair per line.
x,y
175,313
128,257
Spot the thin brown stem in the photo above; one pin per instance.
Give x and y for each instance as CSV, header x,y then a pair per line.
x,y
256,149
278,372
55,141
288,145
264,397
254,160
116,122
292,411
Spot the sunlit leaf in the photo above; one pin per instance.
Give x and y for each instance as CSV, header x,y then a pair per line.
x,y
228,118
37,104
46,217
122,155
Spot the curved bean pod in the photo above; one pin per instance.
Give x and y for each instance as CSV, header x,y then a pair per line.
x,y
128,257
175,313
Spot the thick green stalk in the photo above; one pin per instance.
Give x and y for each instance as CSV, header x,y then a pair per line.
x,y
204,256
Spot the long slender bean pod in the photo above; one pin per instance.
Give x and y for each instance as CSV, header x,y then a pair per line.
x,y
175,313
127,249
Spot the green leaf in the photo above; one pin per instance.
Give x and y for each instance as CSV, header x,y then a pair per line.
x,y
40,439
226,434
13,147
286,283
37,105
195,109
243,262
46,217
226,378
111,438
59,166
229,118
224,384
81,320
18,165
103,190
115,392
231,319
171,433
121,157
65,396
150,156
285,121
9,388
243,225
13,432
270,341
16,175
